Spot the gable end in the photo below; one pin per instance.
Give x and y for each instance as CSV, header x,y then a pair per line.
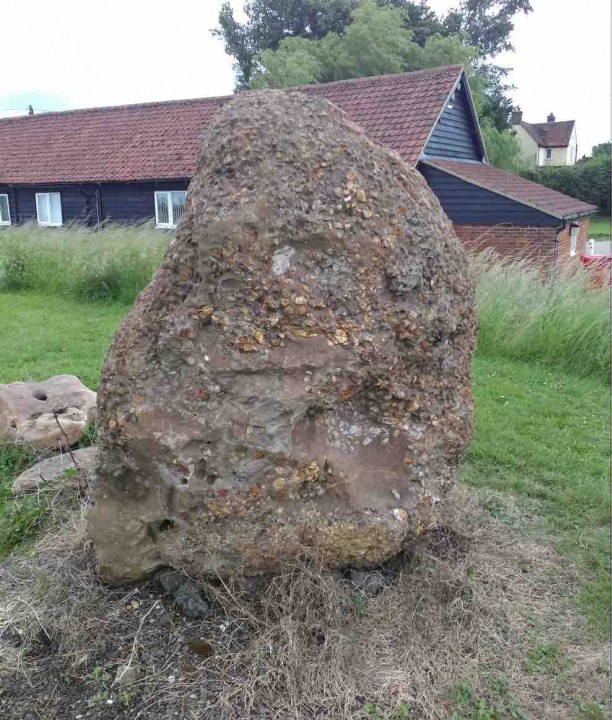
x,y
455,135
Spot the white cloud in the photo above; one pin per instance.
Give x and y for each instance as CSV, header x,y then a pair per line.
x,y
119,51
125,51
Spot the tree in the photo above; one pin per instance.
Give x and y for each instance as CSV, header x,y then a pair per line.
x,y
270,21
482,24
377,42
487,24
602,150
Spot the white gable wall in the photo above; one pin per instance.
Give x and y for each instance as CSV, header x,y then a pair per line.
x,y
529,147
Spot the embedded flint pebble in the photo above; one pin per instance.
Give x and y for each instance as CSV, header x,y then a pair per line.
x,y
296,378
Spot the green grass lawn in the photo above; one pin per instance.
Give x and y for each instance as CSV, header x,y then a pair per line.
x,y
541,435
599,226
44,335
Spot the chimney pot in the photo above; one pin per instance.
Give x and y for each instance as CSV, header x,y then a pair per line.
x,y
550,118
516,117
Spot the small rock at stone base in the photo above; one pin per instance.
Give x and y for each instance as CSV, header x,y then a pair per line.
x,y
58,468
185,595
369,582
127,675
49,414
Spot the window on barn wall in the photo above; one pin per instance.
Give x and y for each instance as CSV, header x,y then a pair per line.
x,y
49,208
574,239
169,207
548,153
5,211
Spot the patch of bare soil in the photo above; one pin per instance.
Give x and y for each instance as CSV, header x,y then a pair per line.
x,y
477,614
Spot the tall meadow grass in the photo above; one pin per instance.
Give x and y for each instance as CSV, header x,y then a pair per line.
x,y
522,315
114,264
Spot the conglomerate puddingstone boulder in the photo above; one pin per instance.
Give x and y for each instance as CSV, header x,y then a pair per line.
x,y
297,374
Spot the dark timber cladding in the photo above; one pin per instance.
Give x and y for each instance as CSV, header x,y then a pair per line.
x,y
91,202
455,135
467,204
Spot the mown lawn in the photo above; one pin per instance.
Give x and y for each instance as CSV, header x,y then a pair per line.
x,y
599,226
541,435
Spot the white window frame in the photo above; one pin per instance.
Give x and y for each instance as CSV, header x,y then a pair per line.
x,y
45,197
171,224
549,153
574,233
8,204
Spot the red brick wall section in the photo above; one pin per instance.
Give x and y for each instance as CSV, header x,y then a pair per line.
x,y
537,243
510,240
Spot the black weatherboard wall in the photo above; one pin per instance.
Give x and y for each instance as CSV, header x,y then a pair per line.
x,y
455,135
467,204
115,202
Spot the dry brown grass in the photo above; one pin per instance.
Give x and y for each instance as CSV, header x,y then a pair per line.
x,y
470,605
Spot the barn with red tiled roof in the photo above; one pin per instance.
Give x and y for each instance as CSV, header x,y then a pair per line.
x,y
133,162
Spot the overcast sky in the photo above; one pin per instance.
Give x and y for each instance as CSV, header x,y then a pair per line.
x,y
69,54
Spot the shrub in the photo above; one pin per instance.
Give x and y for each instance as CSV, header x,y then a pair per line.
x,y
523,316
115,264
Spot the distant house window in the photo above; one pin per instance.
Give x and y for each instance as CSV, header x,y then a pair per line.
x,y
574,239
169,207
5,211
548,153
49,208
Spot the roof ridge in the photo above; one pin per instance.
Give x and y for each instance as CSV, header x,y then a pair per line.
x,y
350,81
556,122
125,106
186,101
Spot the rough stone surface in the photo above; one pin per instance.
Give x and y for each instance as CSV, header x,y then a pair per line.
x,y
184,594
49,414
59,467
297,375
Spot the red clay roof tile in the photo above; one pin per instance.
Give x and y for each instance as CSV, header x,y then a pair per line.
x,y
162,140
551,134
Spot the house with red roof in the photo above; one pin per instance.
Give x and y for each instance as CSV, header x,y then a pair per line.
x,y
133,162
550,144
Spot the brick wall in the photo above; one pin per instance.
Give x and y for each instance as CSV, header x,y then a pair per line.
x,y
522,241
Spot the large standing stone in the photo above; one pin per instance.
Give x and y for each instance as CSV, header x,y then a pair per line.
x,y
297,374
49,414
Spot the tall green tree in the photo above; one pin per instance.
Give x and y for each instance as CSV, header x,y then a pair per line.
x,y
375,43
269,21
486,24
